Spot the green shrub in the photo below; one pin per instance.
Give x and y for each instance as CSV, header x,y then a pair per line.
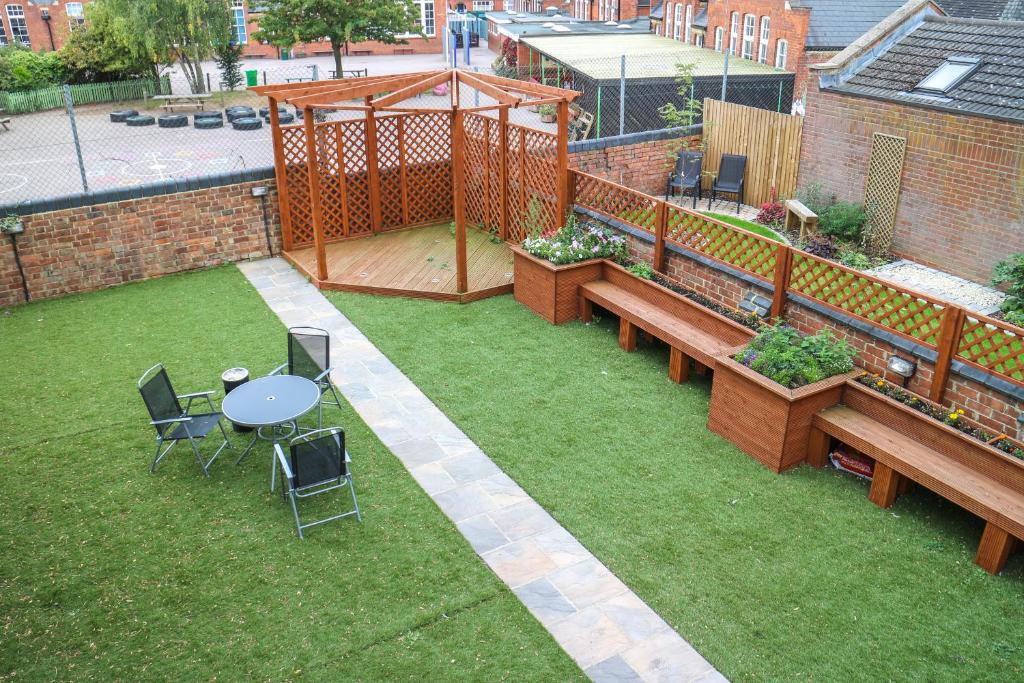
x,y
783,355
1011,272
642,269
22,69
843,220
815,198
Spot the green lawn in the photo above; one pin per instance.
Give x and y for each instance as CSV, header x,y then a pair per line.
x,y
792,577
111,573
749,226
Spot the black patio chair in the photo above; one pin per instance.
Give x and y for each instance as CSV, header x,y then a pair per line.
x,y
317,462
686,176
309,356
174,423
730,178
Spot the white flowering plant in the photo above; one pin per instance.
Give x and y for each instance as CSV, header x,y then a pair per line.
x,y
576,242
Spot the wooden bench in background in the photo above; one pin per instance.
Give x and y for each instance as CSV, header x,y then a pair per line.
x,y
798,215
952,465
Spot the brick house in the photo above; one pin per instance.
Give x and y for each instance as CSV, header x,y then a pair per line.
x,y
42,25
951,90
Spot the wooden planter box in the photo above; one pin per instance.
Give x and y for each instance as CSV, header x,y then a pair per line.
x,y
550,290
763,418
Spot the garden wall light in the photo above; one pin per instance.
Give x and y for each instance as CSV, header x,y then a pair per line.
x,y
1020,426
903,367
14,226
261,192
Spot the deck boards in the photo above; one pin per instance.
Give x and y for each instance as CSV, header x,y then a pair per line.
x,y
419,262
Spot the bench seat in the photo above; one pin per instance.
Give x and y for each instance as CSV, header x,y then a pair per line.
x,y
897,456
685,340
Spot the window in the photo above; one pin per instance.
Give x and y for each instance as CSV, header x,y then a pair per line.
x,y
19,29
426,8
949,74
668,20
720,39
677,22
238,22
75,14
689,24
698,40
3,34
781,52
762,50
483,5
749,24
734,36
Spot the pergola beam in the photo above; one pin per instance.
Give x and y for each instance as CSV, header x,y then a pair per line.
x,y
281,91
354,92
492,91
413,88
528,87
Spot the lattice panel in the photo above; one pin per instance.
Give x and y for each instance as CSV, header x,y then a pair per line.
x,y
533,182
994,346
389,165
749,252
882,191
872,300
357,181
332,181
616,201
293,143
475,150
494,188
428,171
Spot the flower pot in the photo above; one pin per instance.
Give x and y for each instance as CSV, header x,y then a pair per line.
x,y
551,291
764,419
548,118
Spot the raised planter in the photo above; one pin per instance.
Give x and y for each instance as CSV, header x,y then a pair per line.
x,y
551,291
763,418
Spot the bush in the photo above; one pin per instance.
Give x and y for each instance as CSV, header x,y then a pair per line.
x,y
815,198
843,220
1011,272
822,246
642,269
22,69
772,214
783,355
574,242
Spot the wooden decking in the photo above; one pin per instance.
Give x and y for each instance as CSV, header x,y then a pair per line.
x,y
418,262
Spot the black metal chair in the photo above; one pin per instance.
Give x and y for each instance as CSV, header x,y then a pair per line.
x,y
686,176
309,356
318,463
730,178
174,423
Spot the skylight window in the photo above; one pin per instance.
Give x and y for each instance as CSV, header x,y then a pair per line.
x,y
948,75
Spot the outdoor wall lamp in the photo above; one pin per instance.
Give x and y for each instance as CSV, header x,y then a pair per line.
x,y
261,192
1020,426
903,367
13,226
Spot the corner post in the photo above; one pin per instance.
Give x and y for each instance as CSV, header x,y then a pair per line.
x,y
503,170
660,226
459,200
372,172
313,169
783,268
948,344
280,176
563,164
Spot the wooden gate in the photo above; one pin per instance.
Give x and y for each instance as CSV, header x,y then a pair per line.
x,y
769,140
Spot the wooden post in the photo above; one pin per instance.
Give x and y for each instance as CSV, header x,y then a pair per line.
x,y
563,164
313,170
372,172
994,549
885,484
678,366
401,169
783,268
627,335
948,344
503,170
459,201
280,176
660,226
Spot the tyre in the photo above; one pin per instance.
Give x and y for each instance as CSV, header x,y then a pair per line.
x,y
122,115
173,121
135,121
285,118
209,115
265,111
251,123
234,114
208,123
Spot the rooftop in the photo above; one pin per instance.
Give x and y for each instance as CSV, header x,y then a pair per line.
x,y
837,23
1007,10
520,25
994,89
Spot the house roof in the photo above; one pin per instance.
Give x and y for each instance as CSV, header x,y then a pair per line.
x,y
995,89
834,24
657,9
1008,10
519,25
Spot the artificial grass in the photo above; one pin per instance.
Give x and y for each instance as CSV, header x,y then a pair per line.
x,y
112,573
749,226
791,577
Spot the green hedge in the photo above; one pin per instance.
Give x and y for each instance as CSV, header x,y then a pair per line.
x,y
88,93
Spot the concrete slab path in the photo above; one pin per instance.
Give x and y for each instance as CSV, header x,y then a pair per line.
x,y
606,628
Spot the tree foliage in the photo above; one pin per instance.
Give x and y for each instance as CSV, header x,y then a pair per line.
x,y
22,69
287,22
107,48
229,57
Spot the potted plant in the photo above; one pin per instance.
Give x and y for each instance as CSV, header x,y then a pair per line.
x,y
12,225
548,270
547,112
764,395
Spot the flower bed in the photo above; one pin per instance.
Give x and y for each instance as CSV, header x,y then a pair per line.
x,y
576,242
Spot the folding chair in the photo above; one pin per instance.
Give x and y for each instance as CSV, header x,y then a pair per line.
x,y
174,423
309,356
318,463
686,176
730,178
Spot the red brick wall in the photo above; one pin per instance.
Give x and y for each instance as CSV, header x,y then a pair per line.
x,y
643,166
77,250
961,207
37,33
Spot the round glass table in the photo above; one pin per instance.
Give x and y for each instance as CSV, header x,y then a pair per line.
x,y
272,405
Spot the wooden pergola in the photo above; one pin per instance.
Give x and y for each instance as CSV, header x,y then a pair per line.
x,y
388,166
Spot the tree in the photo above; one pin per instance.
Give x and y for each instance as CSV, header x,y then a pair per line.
x,y
287,22
229,55
107,48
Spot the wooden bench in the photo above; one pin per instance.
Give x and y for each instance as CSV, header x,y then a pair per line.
x,y
404,51
361,53
5,122
899,458
798,215
636,313
171,106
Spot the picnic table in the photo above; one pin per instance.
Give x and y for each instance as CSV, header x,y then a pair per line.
x,y
353,73
195,101
4,120
298,79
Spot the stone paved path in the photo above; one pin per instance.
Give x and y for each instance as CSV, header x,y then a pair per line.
x,y
609,631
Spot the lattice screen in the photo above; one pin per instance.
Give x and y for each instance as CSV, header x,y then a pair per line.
x,y
882,193
532,182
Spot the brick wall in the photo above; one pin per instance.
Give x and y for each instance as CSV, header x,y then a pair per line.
x,y
642,166
91,247
38,35
961,206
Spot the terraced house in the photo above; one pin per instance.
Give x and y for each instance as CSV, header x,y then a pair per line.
x,y
40,24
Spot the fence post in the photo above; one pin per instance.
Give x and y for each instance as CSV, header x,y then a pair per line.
x,y
564,207
598,115
70,104
783,269
372,170
725,71
622,96
660,226
947,345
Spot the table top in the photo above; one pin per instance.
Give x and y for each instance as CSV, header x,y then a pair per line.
x,y
196,96
270,401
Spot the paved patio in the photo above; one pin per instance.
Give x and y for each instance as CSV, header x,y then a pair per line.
x,y
605,627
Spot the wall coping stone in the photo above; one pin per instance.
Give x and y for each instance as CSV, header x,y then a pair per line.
x,y
635,138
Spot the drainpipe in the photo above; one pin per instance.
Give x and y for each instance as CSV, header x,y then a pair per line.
x,y
49,30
